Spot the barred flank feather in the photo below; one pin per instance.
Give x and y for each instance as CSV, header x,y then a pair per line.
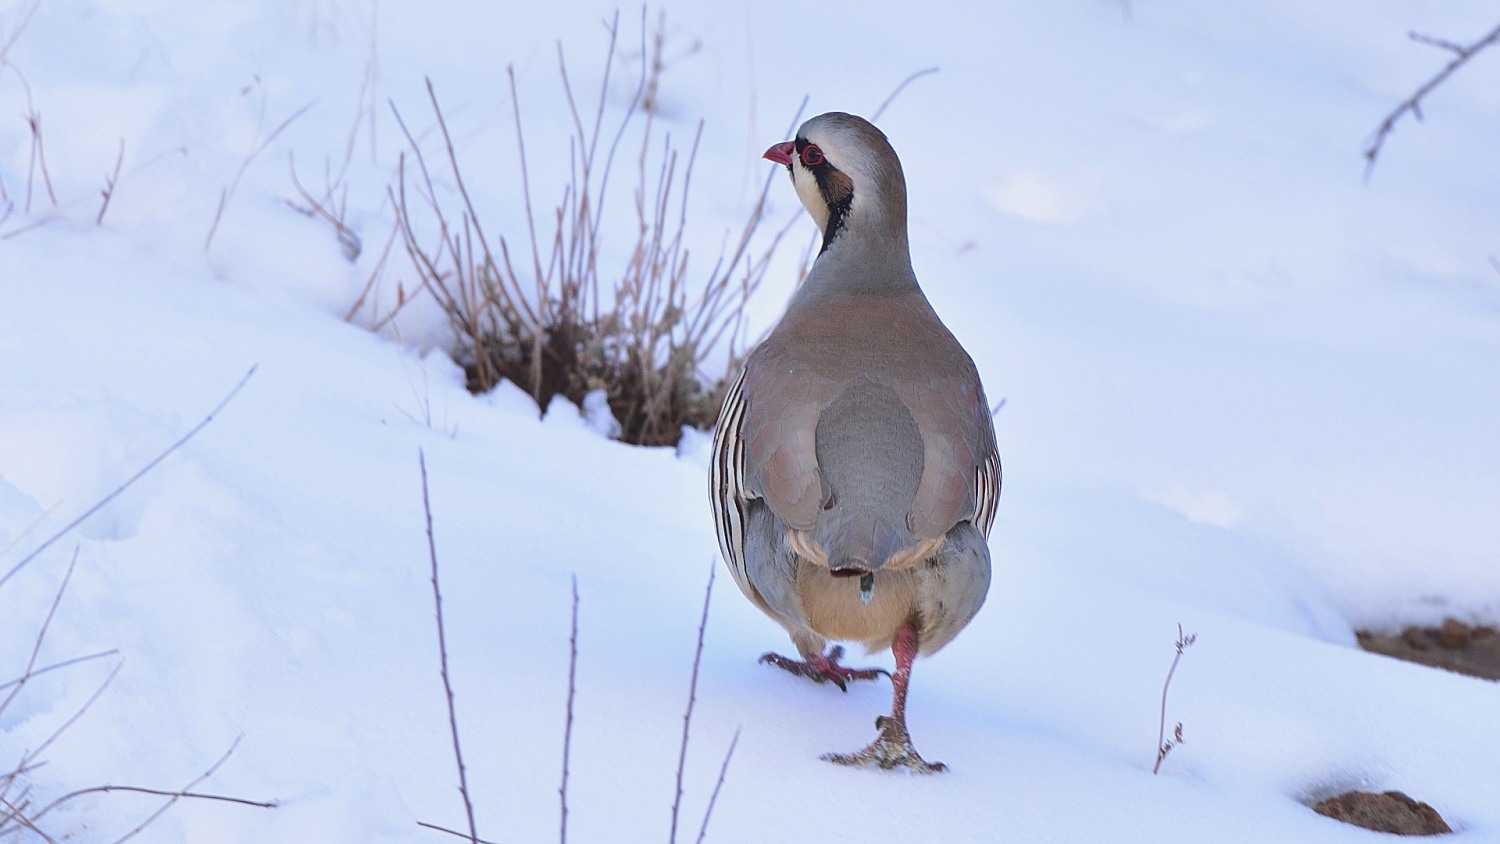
x,y
987,487
726,483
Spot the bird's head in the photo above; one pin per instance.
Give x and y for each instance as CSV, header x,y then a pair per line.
x,y
847,176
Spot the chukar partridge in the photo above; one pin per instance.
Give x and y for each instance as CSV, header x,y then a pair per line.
x,y
854,475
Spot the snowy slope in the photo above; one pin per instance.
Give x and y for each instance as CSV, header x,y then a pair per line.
x,y
1246,392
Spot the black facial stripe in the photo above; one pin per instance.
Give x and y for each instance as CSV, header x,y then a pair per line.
x,y
838,195
836,189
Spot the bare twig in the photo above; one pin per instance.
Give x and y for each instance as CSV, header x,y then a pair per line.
x,y
41,220
34,754
37,160
256,148
348,238
568,723
480,299
60,665
1440,43
41,636
1163,744
437,598
26,532
184,793
536,255
109,185
39,150
1413,104
178,795
926,71
17,808
453,832
9,39
181,794
714,797
19,812
687,715
378,322
128,482
16,813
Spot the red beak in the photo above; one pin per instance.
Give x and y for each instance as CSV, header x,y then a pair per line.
x,y
782,153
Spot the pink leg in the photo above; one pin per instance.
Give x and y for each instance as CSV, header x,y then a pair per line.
x,y
821,668
893,747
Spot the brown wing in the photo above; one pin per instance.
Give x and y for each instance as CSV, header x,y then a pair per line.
x,y
961,467
786,398
765,448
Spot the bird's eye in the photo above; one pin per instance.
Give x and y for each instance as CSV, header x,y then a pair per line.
x,y
811,156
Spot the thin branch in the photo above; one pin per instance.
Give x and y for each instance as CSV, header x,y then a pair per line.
x,y
41,636
37,522
453,832
687,715
178,795
10,39
109,185
254,152
182,794
39,156
73,719
568,724
437,598
1163,745
128,482
17,813
714,797
1440,43
379,322
1413,104
60,665
472,216
926,71
348,239
41,220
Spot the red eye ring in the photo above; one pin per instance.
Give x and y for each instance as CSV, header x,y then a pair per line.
x,y
812,156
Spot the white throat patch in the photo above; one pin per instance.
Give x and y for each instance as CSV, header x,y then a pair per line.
x,y
812,198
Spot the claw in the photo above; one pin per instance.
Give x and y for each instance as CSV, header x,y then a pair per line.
x,y
893,747
822,668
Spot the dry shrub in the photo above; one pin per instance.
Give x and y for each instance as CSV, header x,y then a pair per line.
x,y
546,315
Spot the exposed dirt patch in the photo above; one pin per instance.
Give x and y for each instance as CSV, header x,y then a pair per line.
x,y
1392,812
1453,645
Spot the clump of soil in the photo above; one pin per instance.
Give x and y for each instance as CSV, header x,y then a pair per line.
x,y
1392,812
1453,645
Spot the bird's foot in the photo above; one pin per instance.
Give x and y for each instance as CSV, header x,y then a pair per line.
x,y
892,748
824,668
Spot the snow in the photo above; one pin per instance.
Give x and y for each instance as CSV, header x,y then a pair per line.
x,y
1245,390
